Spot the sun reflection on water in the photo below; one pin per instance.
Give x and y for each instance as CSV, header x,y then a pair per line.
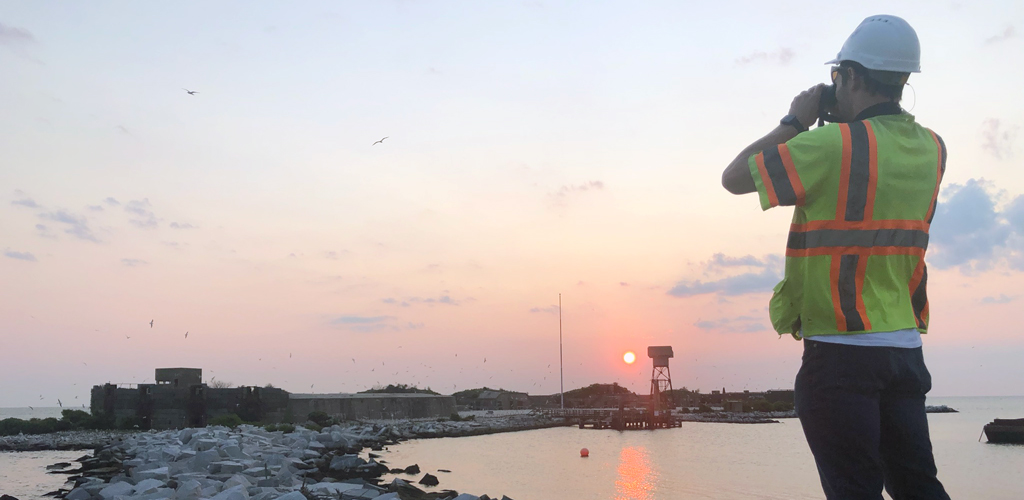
x,y
636,475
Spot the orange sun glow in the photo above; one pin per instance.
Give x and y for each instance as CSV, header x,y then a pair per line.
x,y
629,357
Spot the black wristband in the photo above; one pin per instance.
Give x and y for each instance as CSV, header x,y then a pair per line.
x,y
794,122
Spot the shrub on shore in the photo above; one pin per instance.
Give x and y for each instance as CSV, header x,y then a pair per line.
x,y
70,420
320,418
230,420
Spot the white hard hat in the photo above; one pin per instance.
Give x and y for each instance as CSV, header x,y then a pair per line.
x,y
883,43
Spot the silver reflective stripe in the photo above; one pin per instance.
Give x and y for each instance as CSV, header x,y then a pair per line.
x,y
819,238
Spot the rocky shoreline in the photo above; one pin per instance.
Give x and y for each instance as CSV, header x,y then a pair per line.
x,y
251,463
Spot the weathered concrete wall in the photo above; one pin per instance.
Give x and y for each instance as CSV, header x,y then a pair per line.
x,y
371,406
179,377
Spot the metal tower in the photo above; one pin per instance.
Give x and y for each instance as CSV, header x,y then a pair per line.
x,y
661,378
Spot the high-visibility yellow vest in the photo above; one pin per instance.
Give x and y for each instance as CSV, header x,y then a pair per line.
x,y
865,193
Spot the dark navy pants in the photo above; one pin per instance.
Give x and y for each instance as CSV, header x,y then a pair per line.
x,y
862,411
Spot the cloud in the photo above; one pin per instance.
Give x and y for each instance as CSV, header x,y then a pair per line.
x,y
1007,34
26,202
781,57
133,262
331,254
141,208
77,227
623,283
739,324
996,139
10,35
20,255
109,200
971,232
545,310
760,276
360,320
95,208
442,299
175,225
1001,299
45,231
579,188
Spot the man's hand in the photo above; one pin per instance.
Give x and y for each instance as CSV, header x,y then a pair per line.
x,y
805,105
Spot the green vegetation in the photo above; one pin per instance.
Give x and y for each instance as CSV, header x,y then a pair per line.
x,y
230,420
596,390
320,418
70,420
399,389
454,417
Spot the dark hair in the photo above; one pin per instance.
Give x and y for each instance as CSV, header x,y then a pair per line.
x,y
874,86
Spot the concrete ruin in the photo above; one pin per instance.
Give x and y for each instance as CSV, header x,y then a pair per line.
x,y
180,399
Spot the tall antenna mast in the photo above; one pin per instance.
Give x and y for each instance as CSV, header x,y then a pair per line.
x,y
561,377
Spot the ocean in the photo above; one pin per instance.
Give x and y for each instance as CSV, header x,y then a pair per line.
x,y
695,461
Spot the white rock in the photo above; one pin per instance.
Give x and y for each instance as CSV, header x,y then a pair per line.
x,y
360,494
388,496
158,473
226,467
188,489
117,489
333,488
148,486
294,495
234,493
466,496
206,444
237,480
79,493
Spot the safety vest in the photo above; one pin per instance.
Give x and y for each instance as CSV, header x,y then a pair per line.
x,y
865,193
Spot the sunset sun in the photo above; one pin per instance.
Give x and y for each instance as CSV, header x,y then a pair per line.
x,y
629,357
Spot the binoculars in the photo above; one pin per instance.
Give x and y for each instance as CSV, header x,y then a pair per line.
x,y
825,103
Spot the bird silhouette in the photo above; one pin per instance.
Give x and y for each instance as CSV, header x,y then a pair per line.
x,y
31,408
151,323
190,92
378,142
186,334
127,337
60,404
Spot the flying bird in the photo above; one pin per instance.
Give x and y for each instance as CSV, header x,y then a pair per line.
x,y
151,323
127,337
186,334
190,92
31,408
60,404
378,142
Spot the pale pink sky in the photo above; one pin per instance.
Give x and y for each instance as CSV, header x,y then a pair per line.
x,y
532,150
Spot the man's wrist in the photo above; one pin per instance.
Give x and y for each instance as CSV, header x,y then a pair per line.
x,y
794,121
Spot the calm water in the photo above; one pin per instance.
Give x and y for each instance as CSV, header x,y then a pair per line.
x,y
713,461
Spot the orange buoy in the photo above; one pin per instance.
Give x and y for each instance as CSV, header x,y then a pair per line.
x,y
584,453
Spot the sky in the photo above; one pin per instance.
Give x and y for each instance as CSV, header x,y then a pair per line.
x,y
532,149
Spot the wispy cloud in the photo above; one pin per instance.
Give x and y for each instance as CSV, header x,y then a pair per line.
x,y
45,231
182,225
26,202
1007,34
781,57
561,196
1001,299
95,208
76,226
998,139
11,35
360,320
758,276
738,324
133,262
971,232
545,310
20,255
111,201
441,299
141,209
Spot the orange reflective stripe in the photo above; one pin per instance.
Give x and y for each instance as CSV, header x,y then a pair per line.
x,y
794,179
766,179
844,172
815,225
864,251
940,170
869,208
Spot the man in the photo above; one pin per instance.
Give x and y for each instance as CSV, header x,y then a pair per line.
x,y
854,290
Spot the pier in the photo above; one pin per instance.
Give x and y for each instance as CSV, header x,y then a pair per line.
x,y
618,419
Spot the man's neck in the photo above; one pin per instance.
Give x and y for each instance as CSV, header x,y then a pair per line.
x,y
866,102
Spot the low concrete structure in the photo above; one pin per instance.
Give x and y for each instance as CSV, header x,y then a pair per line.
x,y
372,406
180,399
